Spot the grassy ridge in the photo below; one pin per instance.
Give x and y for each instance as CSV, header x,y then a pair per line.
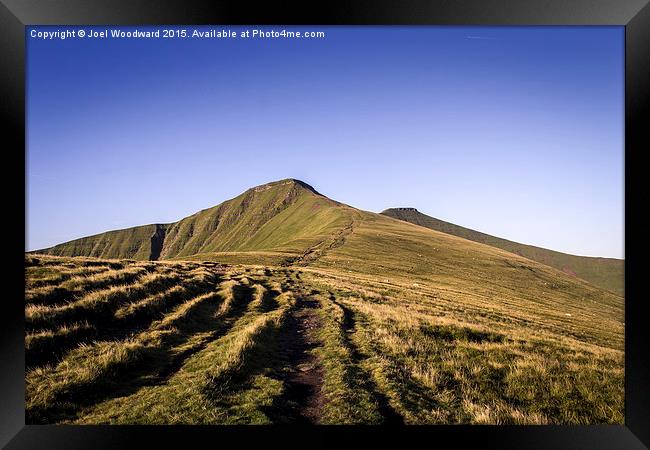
x,y
289,222
607,273
128,243
475,280
285,217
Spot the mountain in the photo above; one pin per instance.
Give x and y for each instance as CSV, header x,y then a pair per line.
x,y
388,322
288,222
607,273
277,221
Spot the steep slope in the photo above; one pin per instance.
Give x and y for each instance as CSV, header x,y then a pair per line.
x,y
277,221
141,243
286,217
607,273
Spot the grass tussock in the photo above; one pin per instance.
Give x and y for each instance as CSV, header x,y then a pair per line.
x,y
448,374
47,388
344,384
237,348
97,304
44,346
71,287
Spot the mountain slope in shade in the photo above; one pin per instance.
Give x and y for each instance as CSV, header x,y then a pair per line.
x,y
607,273
132,243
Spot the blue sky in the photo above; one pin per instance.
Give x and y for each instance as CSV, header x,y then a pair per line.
x,y
513,131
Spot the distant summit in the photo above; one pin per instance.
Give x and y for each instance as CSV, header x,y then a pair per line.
x,y
389,210
603,272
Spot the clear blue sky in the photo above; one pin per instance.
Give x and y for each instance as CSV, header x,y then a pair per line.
x,y
517,132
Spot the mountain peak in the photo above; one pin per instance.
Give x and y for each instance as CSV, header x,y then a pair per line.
x,y
284,182
400,209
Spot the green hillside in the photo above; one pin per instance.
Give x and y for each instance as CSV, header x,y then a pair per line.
x,y
286,222
607,273
135,243
281,219
283,306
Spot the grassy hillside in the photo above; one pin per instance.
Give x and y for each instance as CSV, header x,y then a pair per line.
x,y
134,342
607,273
283,218
283,306
133,243
288,221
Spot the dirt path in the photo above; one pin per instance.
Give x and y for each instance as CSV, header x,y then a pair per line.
x,y
304,378
319,250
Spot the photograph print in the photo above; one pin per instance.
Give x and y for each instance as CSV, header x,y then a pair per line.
x,y
379,225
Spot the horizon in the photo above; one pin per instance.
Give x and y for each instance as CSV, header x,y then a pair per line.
x,y
318,192
519,132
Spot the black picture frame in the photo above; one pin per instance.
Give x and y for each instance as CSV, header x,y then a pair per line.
x,y
634,15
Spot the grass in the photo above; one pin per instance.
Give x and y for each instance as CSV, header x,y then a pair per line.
x,y
43,346
345,387
406,324
281,219
209,387
607,273
436,369
212,350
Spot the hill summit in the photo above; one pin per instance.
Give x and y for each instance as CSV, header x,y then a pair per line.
x,y
604,272
283,217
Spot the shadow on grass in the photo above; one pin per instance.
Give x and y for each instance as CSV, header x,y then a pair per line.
x,y
359,377
149,366
278,353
